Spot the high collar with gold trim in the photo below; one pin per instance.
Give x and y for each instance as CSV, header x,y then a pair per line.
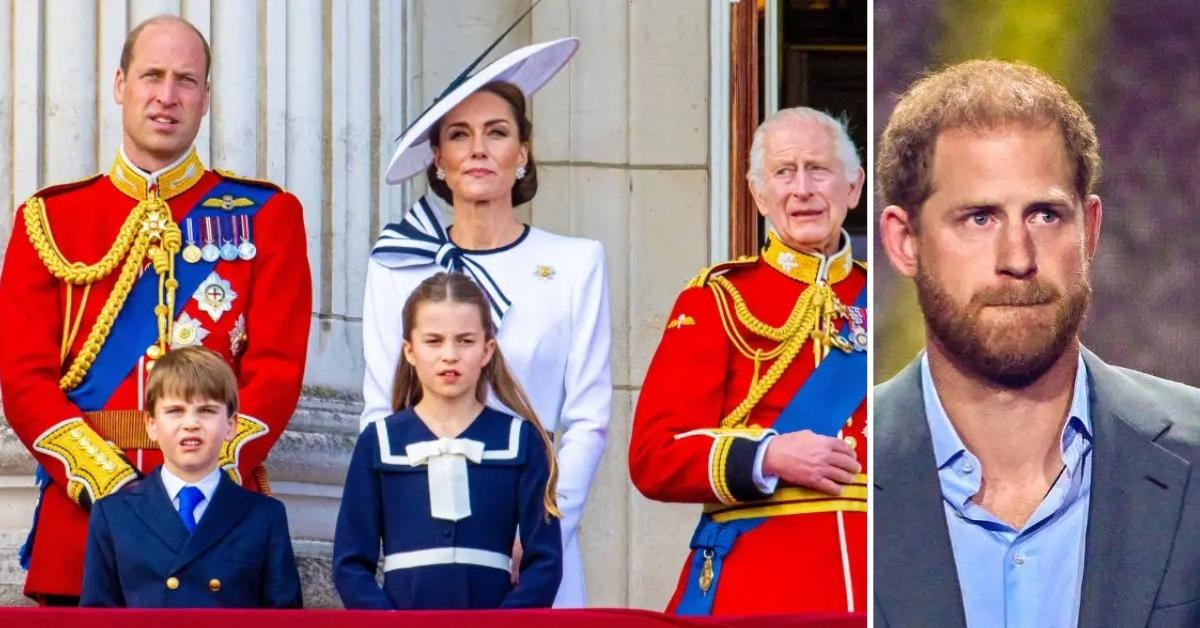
x,y
808,268
172,181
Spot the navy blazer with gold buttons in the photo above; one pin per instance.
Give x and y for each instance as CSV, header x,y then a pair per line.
x,y
139,554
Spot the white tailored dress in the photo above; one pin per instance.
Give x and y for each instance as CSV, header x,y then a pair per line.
x,y
550,300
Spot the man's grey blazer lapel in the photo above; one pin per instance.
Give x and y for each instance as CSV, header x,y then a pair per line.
x,y
1137,495
916,583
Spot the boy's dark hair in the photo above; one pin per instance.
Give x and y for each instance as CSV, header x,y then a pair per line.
x,y
192,373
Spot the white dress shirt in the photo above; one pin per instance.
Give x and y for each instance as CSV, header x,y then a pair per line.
x,y
207,486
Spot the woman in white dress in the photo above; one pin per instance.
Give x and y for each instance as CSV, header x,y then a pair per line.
x,y
548,292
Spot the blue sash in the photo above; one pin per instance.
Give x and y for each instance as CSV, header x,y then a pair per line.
x,y
832,393
136,326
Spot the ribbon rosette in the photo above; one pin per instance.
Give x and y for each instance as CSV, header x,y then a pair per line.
x,y
449,493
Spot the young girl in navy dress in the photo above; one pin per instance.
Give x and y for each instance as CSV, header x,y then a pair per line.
x,y
445,483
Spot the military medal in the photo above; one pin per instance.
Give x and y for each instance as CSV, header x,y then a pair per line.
x,y
858,327
210,252
215,296
246,250
706,573
191,252
229,252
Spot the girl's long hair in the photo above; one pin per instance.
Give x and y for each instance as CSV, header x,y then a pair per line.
x,y
407,389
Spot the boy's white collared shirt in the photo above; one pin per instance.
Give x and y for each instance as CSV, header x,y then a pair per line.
x,y
207,485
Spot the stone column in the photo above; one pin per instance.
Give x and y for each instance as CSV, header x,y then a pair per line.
x,y
311,94
622,143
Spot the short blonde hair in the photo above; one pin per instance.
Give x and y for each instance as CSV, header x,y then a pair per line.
x,y
192,373
979,95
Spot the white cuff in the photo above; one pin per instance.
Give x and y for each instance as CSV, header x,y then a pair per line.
x,y
764,483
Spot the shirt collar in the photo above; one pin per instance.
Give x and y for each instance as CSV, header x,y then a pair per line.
x,y
946,443
207,484
171,181
806,267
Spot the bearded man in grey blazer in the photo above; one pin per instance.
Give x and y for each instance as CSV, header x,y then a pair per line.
x,y
1019,480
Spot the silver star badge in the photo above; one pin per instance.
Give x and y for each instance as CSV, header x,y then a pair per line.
x,y
215,296
187,332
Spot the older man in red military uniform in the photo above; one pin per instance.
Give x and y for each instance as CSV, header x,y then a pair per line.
x,y
105,275
754,403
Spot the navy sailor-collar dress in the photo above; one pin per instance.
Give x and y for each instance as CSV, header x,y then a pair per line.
x,y
447,511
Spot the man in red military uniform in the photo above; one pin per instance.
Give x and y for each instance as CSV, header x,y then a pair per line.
x,y
754,403
105,275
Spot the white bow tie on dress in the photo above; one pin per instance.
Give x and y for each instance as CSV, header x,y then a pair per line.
x,y
449,493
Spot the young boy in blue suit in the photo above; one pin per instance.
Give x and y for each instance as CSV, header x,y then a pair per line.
x,y
187,535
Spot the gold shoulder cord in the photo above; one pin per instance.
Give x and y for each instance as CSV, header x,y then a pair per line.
x,y
812,317
150,222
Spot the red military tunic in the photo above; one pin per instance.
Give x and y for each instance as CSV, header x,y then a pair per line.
x,y
256,315
810,554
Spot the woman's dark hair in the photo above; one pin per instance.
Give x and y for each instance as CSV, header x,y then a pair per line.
x,y
525,188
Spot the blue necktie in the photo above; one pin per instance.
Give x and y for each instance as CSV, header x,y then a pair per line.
x,y
189,498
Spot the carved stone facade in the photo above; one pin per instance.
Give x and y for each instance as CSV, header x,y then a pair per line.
x,y
310,94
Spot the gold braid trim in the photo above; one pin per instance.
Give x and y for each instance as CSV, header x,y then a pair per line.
x,y
108,314
246,429
37,226
811,317
149,222
716,472
93,465
790,327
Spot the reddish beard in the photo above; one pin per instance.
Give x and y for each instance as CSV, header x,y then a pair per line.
x,y
1014,352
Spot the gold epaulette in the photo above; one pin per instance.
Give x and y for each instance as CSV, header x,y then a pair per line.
x,y
246,429
229,174
59,188
701,278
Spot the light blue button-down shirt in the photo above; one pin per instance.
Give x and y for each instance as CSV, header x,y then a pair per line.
x,y
1016,578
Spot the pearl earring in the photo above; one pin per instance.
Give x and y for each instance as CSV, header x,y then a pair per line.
x,y
520,172
441,174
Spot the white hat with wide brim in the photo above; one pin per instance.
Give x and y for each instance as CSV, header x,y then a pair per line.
x,y
528,68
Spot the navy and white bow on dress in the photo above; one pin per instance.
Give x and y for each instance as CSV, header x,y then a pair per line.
x,y
421,239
